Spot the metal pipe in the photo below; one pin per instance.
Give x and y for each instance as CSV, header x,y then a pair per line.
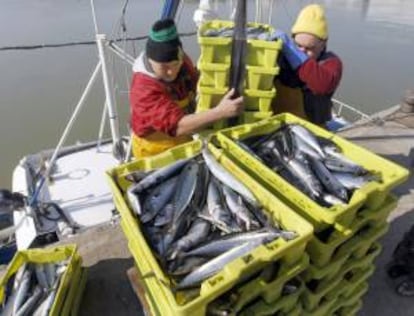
x,y
102,126
113,116
121,53
66,132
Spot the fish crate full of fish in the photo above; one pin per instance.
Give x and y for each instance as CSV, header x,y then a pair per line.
x,y
196,231
42,282
324,177
215,39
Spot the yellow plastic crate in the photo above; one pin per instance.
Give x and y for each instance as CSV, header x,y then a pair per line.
x,y
322,310
45,255
245,118
321,252
254,100
359,245
348,287
284,305
75,292
371,195
323,276
330,271
214,75
366,260
296,311
268,291
217,76
330,288
218,49
261,78
259,100
348,310
312,299
154,279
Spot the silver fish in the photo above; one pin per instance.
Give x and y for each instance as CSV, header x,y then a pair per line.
x,y
329,181
330,199
41,275
198,231
31,302
301,170
217,214
158,198
227,178
184,193
48,303
351,181
186,266
165,216
19,276
303,147
341,165
158,176
22,290
213,266
134,201
307,137
218,246
50,271
237,207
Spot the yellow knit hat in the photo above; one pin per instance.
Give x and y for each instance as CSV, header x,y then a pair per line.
x,y
312,20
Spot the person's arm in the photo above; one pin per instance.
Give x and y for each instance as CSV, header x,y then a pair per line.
x,y
321,77
227,108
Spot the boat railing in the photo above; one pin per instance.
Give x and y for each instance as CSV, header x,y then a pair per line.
x,y
348,112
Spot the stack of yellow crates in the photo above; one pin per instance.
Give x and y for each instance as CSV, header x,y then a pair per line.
x,y
344,244
214,66
264,281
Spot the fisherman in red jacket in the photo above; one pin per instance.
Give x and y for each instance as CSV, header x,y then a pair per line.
x,y
309,73
162,95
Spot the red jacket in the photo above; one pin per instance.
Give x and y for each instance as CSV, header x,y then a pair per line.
x,y
321,76
153,102
318,80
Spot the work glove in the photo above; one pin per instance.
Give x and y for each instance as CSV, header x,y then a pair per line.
x,y
293,54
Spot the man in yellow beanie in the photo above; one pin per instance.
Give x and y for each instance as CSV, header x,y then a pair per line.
x,y
309,73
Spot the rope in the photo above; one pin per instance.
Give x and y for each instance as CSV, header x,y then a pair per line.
x,y
77,43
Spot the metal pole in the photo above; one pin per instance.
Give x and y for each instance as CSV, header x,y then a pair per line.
x,y
121,53
102,126
113,116
66,132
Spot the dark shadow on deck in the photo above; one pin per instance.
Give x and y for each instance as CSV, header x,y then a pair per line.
x,y
108,291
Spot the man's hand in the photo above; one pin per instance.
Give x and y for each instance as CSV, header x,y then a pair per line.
x,y
229,107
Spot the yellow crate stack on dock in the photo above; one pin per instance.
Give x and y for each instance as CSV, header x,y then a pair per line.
x,y
214,66
345,240
254,282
